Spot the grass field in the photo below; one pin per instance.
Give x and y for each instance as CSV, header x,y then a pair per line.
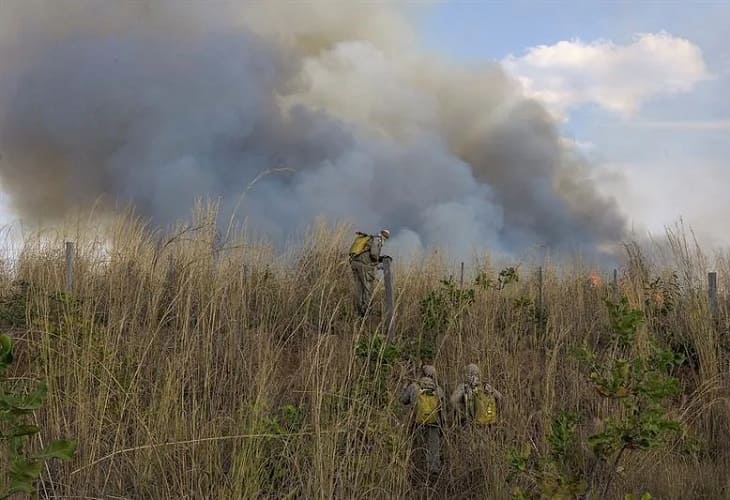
x,y
195,365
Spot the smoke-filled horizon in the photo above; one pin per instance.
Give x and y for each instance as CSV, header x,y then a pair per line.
x,y
155,105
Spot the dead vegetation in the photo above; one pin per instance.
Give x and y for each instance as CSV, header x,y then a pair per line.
x,y
201,365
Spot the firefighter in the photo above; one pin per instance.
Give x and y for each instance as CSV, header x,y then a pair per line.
x,y
365,258
475,401
427,400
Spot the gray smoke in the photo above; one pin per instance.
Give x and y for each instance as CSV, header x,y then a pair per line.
x,y
159,104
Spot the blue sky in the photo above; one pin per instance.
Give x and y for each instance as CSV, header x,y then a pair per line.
x,y
666,159
472,30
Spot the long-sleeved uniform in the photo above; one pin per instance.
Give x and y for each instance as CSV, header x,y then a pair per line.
x,y
363,267
463,393
430,433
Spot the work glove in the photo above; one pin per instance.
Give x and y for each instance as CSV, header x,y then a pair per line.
x,y
493,391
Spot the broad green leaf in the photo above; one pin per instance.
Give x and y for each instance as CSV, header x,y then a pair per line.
x,y
21,486
6,351
604,443
6,344
15,446
60,448
23,469
27,402
24,430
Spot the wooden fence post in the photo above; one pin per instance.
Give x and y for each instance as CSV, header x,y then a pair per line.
x,y
461,276
539,287
712,293
388,278
539,310
69,266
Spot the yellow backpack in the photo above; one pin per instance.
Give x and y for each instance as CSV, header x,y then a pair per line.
x,y
427,408
359,244
485,408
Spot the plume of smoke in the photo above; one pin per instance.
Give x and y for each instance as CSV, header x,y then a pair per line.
x,y
157,104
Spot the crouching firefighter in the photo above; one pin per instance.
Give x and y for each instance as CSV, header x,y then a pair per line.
x,y
364,260
427,400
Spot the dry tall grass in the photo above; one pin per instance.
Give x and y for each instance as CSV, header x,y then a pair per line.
x,y
195,365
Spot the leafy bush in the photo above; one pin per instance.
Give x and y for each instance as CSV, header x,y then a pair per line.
x,y
442,305
376,351
380,356
15,408
12,308
640,382
506,276
624,321
552,476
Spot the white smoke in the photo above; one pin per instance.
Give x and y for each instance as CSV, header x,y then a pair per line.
x,y
157,104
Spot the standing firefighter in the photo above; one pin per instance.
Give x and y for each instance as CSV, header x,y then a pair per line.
x,y
364,259
427,399
475,401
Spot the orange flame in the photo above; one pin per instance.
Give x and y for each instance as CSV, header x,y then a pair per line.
x,y
594,279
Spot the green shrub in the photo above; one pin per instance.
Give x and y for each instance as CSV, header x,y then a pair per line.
x,y
16,405
443,305
641,383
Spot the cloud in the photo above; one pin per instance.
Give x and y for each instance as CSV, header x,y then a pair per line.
x,y
683,124
618,78
582,146
658,193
